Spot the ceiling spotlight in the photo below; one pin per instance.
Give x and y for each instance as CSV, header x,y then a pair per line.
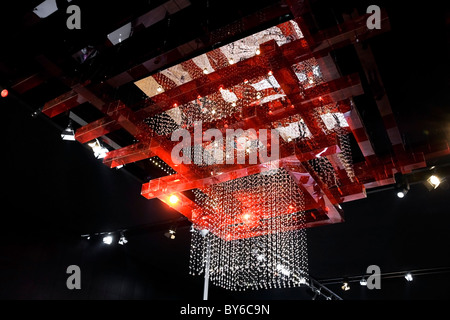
x,y
434,181
401,185
99,151
231,61
402,194
408,277
345,286
257,52
123,240
108,239
68,133
159,89
363,282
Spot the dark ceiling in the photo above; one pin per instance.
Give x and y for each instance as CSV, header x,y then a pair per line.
x,y
55,191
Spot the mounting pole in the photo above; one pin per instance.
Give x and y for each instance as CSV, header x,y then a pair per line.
x,y
208,260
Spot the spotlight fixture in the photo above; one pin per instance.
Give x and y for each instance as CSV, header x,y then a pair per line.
x,y
363,282
401,185
171,234
345,286
99,151
402,194
408,277
108,239
123,240
257,52
68,134
434,181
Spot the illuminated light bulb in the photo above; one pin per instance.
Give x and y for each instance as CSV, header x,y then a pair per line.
x,y
245,80
205,71
213,111
258,95
231,61
246,216
257,52
4,93
107,239
159,89
270,72
311,80
408,277
173,199
400,194
175,105
434,181
289,139
233,104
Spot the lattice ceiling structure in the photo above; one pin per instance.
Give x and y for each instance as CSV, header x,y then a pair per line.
x,y
281,78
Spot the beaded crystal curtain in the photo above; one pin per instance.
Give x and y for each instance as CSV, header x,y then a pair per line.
x,y
277,258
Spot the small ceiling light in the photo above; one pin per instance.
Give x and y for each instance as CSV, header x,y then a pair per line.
x,y
99,151
172,234
159,89
231,61
173,199
257,52
258,95
4,93
434,181
123,240
363,282
205,71
108,239
68,134
345,286
408,277
402,194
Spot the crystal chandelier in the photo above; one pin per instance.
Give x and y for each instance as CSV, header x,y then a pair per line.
x,y
269,209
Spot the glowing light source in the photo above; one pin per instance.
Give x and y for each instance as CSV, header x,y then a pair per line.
x,y
408,277
99,151
434,181
108,239
68,134
4,93
173,199
345,286
401,194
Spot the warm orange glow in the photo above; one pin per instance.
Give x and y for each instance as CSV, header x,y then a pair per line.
x,y
173,199
246,216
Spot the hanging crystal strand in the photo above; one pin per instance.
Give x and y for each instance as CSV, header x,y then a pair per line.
x,y
346,155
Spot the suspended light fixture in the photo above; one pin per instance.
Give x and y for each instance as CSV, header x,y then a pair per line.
x,y
68,134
